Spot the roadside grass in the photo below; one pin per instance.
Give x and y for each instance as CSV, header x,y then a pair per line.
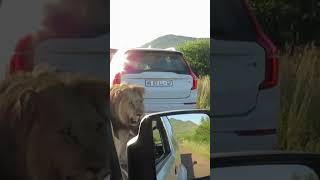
x,y
203,101
197,147
197,140
299,125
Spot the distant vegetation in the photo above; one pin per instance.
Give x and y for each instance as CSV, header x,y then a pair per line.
x,y
168,41
194,137
197,54
300,100
203,101
285,21
182,128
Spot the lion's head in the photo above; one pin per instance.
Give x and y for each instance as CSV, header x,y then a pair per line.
x,y
55,127
127,105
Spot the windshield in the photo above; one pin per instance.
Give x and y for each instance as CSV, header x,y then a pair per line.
x,y
153,61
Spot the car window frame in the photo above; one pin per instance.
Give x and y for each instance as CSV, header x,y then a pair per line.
x,y
168,151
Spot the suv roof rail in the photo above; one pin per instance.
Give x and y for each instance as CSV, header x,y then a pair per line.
x,y
171,49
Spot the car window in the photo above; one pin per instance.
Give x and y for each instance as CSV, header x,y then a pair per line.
x,y
161,145
231,22
153,61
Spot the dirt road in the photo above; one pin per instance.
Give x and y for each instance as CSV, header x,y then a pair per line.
x,y
202,168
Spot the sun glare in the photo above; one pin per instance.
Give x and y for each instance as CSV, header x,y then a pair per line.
x,y
136,22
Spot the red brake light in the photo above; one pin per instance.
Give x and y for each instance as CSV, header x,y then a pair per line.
x,y
272,73
194,77
17,63
272,63
20,60
195,81
117,79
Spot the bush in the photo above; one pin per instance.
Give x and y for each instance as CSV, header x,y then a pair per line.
x,y
202,133
203,101
286,21
300,98
197,54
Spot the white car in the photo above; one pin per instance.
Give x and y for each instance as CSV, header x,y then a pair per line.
x,y
246,95
169,82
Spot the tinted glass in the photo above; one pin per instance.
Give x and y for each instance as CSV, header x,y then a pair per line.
x,y
231,21
153,61
158,143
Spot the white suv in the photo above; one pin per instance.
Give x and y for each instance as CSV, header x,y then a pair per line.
x,y
169,82
246,96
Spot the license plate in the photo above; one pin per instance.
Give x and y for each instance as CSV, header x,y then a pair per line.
x,y
158,83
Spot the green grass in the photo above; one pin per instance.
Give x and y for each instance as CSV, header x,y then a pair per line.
x,y
299,125
198,148
203,101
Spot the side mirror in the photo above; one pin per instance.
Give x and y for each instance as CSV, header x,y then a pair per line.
x,y
142,150
140,153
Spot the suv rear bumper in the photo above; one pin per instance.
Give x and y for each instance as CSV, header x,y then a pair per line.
x,y
254,131
158,107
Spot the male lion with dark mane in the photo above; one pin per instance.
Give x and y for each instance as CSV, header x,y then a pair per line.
x,y
54,126
127,108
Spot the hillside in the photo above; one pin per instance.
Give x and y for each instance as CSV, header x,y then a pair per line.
x,y
168,41
182,128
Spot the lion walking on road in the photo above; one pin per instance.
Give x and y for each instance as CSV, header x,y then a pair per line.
x,y
127,108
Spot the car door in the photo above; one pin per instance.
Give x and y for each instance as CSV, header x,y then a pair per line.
x,y
180,170
163,152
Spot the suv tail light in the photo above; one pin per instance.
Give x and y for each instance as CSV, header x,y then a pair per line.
x,y
117,79
194,77
272,63
21,60
194,81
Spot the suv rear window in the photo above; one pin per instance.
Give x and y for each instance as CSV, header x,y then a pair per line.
x,y
155,61
231,22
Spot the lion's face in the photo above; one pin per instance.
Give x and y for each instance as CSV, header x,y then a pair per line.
x,y
128,104
71,138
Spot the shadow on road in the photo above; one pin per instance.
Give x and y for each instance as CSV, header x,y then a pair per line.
x,y
197,167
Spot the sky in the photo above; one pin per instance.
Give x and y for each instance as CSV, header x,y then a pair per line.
x,y
136,22
196,118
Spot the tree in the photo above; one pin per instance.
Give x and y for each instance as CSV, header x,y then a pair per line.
x,y
202,133
289,21
197,53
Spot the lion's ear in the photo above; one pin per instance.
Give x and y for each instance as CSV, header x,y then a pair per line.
x,y
139,89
